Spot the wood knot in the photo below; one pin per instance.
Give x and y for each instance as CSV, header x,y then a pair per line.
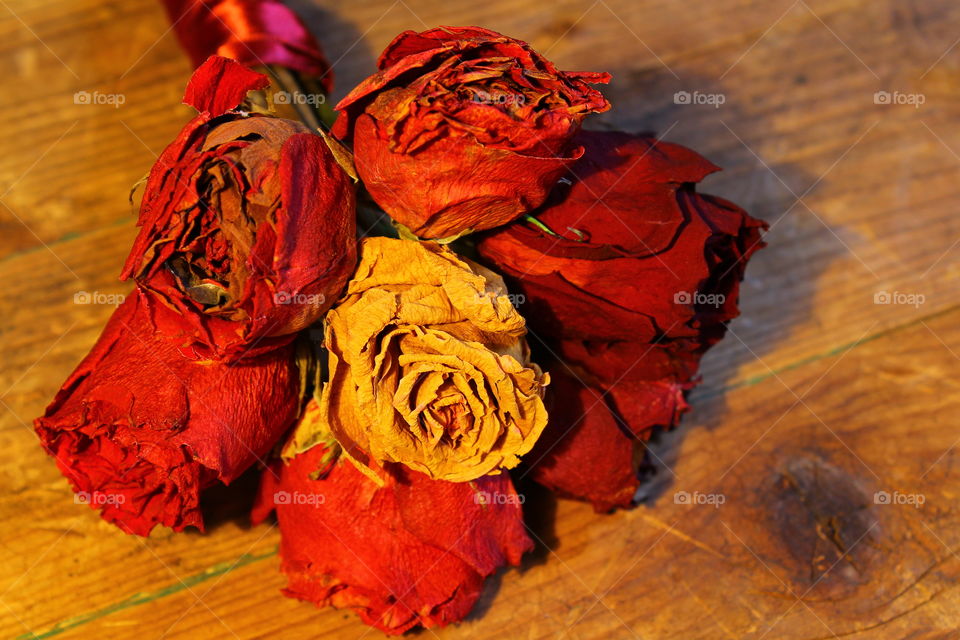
x,y
824,523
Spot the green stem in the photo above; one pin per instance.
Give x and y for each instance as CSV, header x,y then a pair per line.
x,y
539,225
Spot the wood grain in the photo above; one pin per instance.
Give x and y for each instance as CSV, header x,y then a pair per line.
x,y
817,400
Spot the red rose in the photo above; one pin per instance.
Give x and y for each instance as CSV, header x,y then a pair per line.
x,y
139,430
252,32
248,223
637,254
412,552
632,276
464,129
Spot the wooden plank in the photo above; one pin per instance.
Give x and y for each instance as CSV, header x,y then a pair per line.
x,y
74,164
878,195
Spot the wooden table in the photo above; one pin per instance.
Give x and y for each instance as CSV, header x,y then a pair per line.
x,y
818,399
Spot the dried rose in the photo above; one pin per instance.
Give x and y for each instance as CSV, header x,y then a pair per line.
x,y
405,552
428,366
464,128
635,252
248,223
628,276
139,430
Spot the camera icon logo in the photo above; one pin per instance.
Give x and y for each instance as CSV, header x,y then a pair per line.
x,y
681,497
683,297
281,497
681,97
81,497
882,297
881,497
882,97
82,97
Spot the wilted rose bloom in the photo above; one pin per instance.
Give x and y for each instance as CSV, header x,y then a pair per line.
x,y
252,32
139,430
637,254
412,552
248,223
428,365
632,276
464,128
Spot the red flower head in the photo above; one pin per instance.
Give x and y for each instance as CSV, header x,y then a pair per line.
x,y
247,223
634,252
630,276
464,129
139,430
413,552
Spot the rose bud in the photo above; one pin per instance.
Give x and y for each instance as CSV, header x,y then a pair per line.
x,y
604,401
630,251
464,129
405,552
247,223
428,365
252,32
139,430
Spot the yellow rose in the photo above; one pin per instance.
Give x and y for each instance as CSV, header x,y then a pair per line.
x,y
428,365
